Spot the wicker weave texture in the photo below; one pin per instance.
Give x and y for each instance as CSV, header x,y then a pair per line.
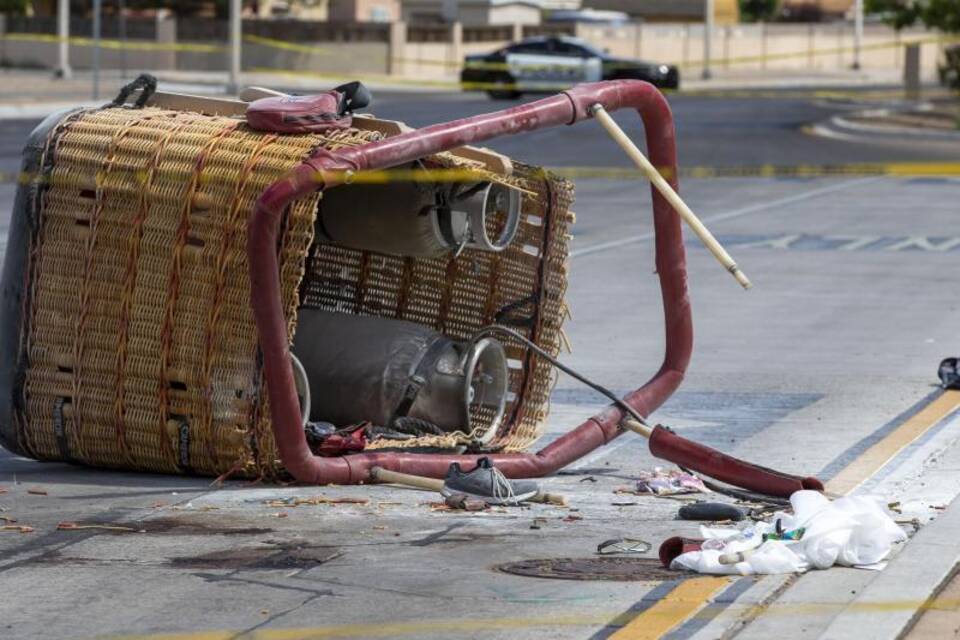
x,y
140,347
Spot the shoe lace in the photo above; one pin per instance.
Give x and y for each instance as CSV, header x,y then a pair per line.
x,y
502,487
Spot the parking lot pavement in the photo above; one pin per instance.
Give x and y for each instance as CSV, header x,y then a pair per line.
x,y
833,352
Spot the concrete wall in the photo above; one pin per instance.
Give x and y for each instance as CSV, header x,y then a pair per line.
x,y
327,58
797,47
32,53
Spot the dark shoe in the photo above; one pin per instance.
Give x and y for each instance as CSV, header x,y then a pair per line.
x,y
489,483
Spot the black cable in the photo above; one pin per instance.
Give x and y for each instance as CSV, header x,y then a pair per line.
x,y
480,186
718,488
739,494
567,370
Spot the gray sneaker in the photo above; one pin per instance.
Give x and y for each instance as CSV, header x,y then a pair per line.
x,y
489,483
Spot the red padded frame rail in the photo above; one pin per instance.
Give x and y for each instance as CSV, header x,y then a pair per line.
x,y
325,169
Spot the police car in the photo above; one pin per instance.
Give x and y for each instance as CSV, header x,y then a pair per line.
x,y
554,63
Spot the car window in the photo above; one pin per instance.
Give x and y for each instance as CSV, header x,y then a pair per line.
x,y
529,47
569,49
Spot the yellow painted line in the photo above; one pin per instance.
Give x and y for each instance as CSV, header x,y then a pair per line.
x,y
852,476
674,609
877,456
683,603
415,629
895,170
419,628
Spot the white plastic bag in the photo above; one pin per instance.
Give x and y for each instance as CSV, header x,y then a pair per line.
x,y
854,531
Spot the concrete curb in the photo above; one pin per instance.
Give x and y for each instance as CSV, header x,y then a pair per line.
x,y
846,123
40,110
892,602
841,127
197,84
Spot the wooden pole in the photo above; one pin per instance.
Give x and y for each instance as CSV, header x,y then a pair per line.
x,y
637,427
645,166
433,484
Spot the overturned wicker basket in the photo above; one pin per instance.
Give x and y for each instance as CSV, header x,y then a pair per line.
x,y
162,255
137,346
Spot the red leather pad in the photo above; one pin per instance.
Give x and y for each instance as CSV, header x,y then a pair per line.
x,y
298,114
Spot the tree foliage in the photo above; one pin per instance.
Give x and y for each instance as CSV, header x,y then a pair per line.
x,y
934,14
14,7
758,10
943,15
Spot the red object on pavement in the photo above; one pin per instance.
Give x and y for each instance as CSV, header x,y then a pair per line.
x,y
343,442
666,444
566,108
675,546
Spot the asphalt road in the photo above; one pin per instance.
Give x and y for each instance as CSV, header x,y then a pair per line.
x,y
854,305
711,131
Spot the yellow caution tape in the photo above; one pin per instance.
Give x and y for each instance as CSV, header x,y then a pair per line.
x,y
137,45
890,169
494,66
822,52
733,60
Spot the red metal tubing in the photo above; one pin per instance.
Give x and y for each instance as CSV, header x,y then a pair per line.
x,y
324,168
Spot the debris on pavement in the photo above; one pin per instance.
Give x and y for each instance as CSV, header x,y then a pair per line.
x,y
19,528
433,484
949,373
315,500
853,531
710,511
662,482
919,511
487,483
37,492
76,526
623,545
467,503
326,440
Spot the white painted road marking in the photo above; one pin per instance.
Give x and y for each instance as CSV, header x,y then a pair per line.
x,y
736,213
